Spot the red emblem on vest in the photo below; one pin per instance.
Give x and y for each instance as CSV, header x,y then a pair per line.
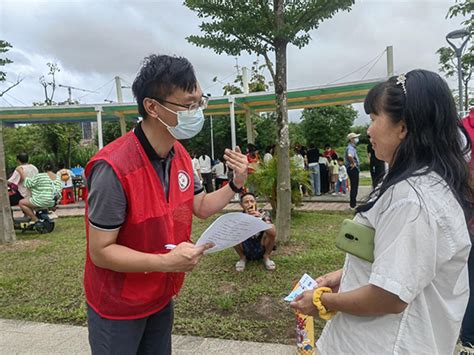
x,y
183,180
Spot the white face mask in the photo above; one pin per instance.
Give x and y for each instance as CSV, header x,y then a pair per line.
x,y
189,123
356,140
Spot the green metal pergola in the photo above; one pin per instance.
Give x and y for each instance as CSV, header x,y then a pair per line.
x,y
339,94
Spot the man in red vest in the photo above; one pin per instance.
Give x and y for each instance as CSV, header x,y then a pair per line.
x,y
142,196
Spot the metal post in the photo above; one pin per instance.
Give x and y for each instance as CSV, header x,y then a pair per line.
x,y
118,88
461,106
212,140
459,35
232,122
98,109
389,61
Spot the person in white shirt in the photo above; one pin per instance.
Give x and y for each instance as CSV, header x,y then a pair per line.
x,y
412,298
206,172
196,166
29,171
341,177
220,170
298,159
268,153
299,162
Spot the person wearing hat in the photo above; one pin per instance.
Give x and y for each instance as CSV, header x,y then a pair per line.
x,y
352,162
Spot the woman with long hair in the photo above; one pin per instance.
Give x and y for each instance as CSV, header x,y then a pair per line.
x,y
412,298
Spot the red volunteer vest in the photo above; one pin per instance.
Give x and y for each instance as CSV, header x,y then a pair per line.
x,y
150,224
468,123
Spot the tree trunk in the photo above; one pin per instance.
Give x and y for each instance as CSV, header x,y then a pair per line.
x,y
7,232
466,96
68,152
283,168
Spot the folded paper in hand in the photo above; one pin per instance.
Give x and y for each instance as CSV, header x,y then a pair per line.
x,y
231,229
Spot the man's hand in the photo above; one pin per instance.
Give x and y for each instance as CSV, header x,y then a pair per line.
x,y
331,280
254,213
239,164
185,257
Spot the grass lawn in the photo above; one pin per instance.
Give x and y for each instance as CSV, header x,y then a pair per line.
x,y
365,181
41,280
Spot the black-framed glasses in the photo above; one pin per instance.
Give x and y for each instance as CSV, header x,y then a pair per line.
x,y
202,103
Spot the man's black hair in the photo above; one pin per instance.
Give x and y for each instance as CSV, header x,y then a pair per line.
x,y
246,194
159,76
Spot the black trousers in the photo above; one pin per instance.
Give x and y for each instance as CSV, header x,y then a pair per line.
x,y
15,198
376,173
207,182
149,335
354,179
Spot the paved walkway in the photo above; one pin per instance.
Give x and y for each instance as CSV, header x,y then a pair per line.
x,y
314,203
21,337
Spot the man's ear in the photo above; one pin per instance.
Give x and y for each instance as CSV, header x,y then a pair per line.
x,y
150,107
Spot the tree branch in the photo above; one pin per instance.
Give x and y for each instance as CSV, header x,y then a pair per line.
x,y
269,65
11,87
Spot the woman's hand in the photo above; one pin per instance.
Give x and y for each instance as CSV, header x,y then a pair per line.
x,y
331,280
304,304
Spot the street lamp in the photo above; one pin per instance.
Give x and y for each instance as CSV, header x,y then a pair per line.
x,y
458,34
212,135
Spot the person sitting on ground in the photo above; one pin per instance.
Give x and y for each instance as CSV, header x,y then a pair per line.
x,y
259,246
45,191
19,191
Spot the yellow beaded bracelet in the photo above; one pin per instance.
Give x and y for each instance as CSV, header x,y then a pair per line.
x,y
323,312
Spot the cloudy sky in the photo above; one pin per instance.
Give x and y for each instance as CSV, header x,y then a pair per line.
x,y
92,41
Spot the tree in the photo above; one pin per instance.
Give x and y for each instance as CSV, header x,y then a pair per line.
x,y
327,125
261,27
61,139
5,47
447,56
7,232
265,181
48,96
256,83
297,135
362,130
111,131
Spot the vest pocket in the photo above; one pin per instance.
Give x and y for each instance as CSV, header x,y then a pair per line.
x,y
144,287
